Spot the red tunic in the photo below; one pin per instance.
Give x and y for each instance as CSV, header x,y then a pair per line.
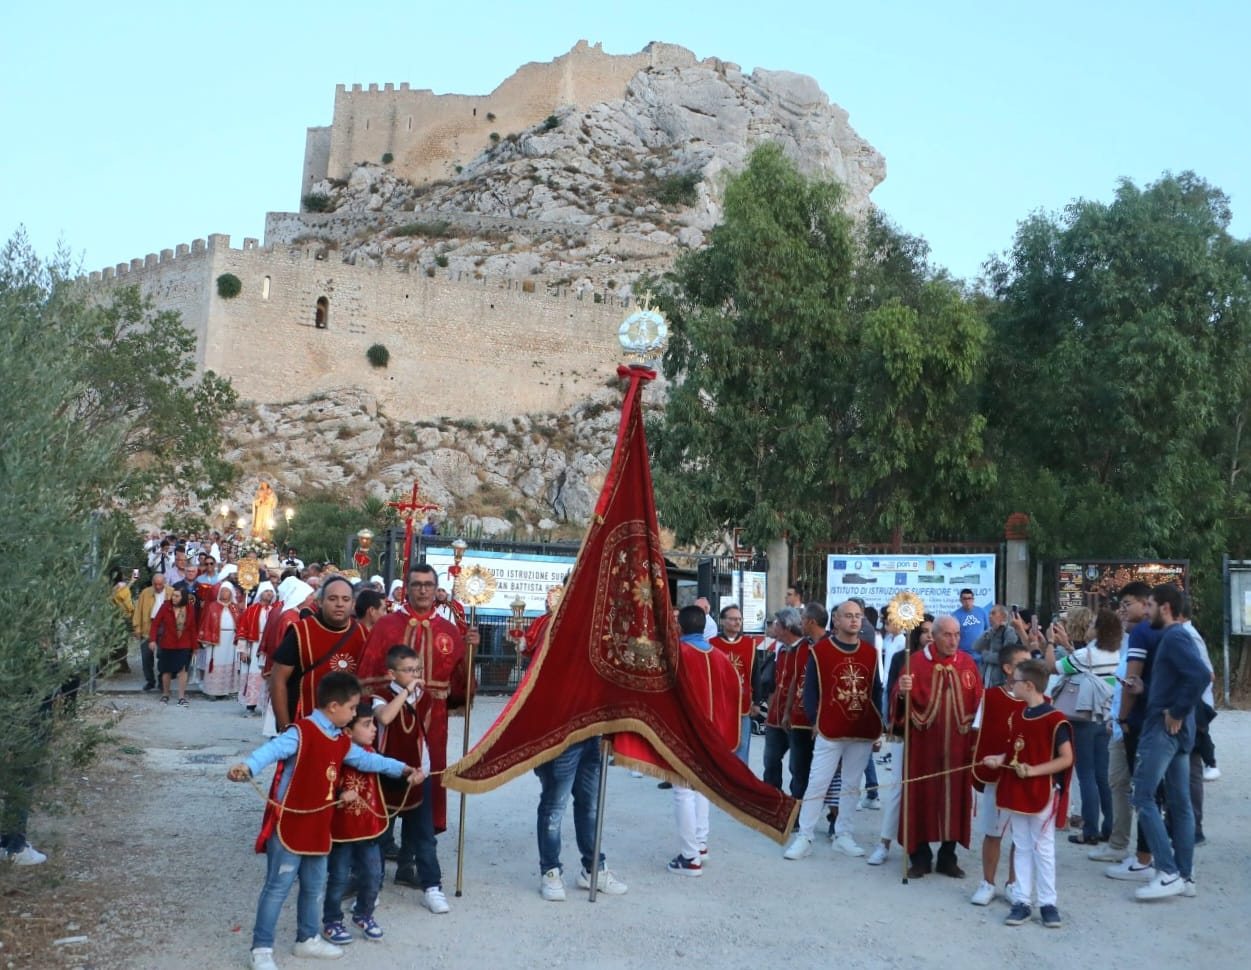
x,y
795,696
315,641
1032,741
314,771
945,695
403,740
714,685
998,706
276,628
782,666
165,633
250,623
441,666
742,654
365,818
535,633
846,678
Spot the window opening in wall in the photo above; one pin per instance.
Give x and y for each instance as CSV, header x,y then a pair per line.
x,y
265,288
410,122
475,112
321,316
367,124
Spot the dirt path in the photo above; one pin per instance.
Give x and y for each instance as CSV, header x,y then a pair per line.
x,y
155,867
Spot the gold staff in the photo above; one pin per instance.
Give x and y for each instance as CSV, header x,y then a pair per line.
x,y
908,612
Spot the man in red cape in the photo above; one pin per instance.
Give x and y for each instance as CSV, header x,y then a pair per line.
x,y
612,660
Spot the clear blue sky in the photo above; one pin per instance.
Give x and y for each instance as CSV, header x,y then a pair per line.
x,y
126,133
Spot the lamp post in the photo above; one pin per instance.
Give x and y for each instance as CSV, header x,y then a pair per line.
x,y
288,514
224,512
517,633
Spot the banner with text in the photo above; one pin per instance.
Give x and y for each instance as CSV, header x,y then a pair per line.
x,y
755,592
527,575
936,579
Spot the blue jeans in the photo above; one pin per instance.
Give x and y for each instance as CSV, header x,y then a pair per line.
x,y
575,772
1165,757
744,740
870,778
1090,751
417,844
777,743
365,860
282,868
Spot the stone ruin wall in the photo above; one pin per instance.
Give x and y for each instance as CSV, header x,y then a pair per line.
x,y
486,350
430,134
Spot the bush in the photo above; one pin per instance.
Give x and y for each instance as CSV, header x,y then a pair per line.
x,y
229,286
387,158
495,138
378,355
550,122
440,261
490,116
440,229
318,202
678,189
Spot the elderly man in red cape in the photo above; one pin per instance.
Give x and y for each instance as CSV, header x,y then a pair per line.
x,y
441,657
945,689
612,662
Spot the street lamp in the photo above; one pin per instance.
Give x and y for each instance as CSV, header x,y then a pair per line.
x,y
288,513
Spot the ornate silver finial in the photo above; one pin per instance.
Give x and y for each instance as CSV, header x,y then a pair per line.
x,y
644,333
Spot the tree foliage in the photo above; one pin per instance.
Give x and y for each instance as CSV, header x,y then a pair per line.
x,y
823,377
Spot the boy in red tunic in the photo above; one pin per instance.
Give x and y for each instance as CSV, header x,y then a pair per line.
x,y
999,704
401,718
1034,789
295,831
356,828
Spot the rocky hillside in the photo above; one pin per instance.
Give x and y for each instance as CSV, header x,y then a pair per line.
x,y
593,195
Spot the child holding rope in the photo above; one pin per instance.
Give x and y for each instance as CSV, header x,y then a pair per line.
x,y
295,832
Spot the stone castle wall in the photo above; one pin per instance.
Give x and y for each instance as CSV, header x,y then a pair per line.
x,y
482,349
430,134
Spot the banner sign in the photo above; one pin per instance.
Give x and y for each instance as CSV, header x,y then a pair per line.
x,y
527,575
755,592
1079,579
937,579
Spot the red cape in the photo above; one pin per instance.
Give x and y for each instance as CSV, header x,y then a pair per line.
x,y
612,660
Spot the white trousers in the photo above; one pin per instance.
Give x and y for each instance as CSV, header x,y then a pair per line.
x,y
892,796
1034,839
690,811
826,757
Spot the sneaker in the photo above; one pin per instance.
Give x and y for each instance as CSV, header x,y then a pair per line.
x,y
800,847
552,886
1106,854
878,856
1019,914
1050,917
1211,773
847,846
407,876
636,774
263,959
1161,887
317,948
680,865
608,884
703,852
337,933
1131,870
1190,891
29,856
1009,891
369,927
434,900
983,894
148,687
869,802
665,785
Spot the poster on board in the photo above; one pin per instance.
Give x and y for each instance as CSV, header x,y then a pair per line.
x,y
937,579
1079,579
527,575
755,592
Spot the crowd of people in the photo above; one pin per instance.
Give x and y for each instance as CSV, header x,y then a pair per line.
x,y
980,720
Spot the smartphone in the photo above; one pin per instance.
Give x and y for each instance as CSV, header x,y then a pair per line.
x,y
1016,610
134,574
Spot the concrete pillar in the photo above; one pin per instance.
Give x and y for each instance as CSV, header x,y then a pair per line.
x,y
779,574
1016,574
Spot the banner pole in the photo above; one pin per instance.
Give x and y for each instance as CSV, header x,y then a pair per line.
x,y
460,836
907,841
605,751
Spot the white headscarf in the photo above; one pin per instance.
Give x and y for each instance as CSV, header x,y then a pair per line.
x,y
296,593
227,571
395,584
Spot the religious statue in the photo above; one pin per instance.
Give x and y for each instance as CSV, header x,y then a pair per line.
x,y
263,512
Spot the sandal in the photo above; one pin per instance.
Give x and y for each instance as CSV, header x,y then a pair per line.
x,y
164,698
183,702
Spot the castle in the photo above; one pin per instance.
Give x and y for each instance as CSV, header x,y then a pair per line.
x,y
461,344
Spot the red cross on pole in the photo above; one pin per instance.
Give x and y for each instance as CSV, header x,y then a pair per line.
x,y
408,512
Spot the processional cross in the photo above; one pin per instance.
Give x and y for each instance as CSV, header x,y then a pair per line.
x,y
409,511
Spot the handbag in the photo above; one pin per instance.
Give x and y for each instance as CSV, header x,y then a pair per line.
x,y
1065,699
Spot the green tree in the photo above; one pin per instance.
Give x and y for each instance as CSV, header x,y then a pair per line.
x,y
823,376
322,524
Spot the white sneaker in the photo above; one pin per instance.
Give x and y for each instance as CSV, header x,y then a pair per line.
x,y
29,856
317,948
878,856
434,900
263,959
984,893
1190,892
869,802
1009,892
608,884
1131,870
1161,887
1105,853
847,846
552,886
1212,773
800,847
